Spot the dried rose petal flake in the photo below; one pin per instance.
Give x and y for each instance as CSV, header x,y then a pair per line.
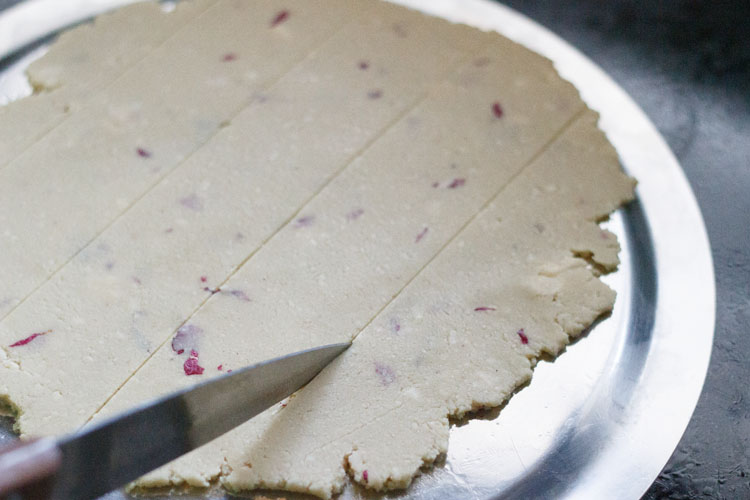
x,y
305,221
355,214
457,182
192,201
522,336
497,110
239,294
282,16
29,338
385,373
395,325
192,367
143,153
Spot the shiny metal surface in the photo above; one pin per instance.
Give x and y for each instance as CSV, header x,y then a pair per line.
x,y
602,419
116,451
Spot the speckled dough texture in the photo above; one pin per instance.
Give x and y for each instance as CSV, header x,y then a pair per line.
x,y
264,177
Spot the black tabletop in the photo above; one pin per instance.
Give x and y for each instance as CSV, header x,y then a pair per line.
x,y
687,64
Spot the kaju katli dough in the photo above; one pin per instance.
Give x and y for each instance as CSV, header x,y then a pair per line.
x,y
328,473
305,287
73,69
370,221
461,336
157,263
356,244
87,171
472,324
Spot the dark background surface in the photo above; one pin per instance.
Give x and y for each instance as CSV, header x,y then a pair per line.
x,y
687,64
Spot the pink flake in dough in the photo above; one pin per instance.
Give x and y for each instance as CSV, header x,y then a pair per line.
x,y
457,182
192,367
29,338
497,110
240,295
355,214
522,336
192,201
143,153
305,221
385,373
282,16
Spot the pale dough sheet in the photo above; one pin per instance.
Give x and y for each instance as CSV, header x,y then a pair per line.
x,y
426,189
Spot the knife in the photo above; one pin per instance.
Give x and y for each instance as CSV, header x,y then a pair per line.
x,y
108,455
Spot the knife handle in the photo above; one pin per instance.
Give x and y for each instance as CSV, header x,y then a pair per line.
x,y
27,467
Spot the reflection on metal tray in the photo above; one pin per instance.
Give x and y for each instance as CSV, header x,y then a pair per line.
x,y
602,420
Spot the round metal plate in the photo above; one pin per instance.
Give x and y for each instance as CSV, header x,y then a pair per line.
x,y
602,420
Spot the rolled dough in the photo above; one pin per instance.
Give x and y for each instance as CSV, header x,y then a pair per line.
x,y
307,173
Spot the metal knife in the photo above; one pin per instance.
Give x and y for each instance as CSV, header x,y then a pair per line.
x,y
108,455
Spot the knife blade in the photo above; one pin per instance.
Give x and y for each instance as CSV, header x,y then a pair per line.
x,y
107,455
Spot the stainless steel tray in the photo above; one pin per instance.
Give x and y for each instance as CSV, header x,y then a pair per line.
x,y
602,420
